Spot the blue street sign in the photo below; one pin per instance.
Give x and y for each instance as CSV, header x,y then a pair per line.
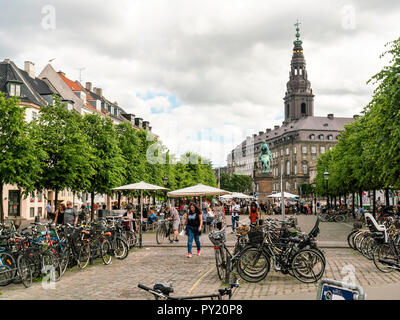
x,y
335,290
335,293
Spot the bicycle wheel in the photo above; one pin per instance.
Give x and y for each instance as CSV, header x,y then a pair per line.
x,y
339,218
308,266
357,239
84,255
7,268
121,248
385,258
131,239
24,270
325,217
51,263
105,251
364,245
350,238
253,264
160,235
220,263
65,256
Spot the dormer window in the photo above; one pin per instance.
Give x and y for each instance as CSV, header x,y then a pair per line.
x,y
312,136
14,89
321,137
330,137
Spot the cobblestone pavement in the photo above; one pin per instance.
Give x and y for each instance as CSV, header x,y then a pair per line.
x,y
188,276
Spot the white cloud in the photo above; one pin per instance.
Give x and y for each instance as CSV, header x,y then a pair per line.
x,y
226,62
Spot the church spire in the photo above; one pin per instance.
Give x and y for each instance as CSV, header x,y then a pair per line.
x,y
299,99
298,42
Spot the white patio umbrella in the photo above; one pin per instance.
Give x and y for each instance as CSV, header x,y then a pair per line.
x,y
199,190
237,195
285,195
140,186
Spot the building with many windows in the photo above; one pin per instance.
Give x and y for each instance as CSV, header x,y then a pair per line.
x,y
35,92
298,142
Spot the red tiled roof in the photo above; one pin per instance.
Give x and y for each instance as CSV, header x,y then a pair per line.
x,y
71,84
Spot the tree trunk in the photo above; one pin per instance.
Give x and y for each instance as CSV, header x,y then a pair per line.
x,y
1,203
374,203
55,199
353,208
92,211
119,200
361,203
387,196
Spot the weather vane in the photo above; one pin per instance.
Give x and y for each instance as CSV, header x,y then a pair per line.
x,y
298,42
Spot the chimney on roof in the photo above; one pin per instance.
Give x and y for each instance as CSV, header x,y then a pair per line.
x,y
62,73
356,116
138,122
254,135
330,115
276,127
261,133
89,86
268,130
98,91
6,60
116,103
29,67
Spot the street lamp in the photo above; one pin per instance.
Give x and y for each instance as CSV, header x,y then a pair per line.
x,y
326,177
165,181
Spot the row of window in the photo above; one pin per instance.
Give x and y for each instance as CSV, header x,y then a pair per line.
x,y
322,137
287,185
32,212
304,169
304,150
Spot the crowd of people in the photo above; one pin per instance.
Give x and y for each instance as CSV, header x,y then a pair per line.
x,y
196,218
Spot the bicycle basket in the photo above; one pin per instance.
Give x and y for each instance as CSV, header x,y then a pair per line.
x,y
126,225
255,237
243,230
217,237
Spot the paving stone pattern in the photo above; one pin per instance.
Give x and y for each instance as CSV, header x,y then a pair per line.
x,y
188,276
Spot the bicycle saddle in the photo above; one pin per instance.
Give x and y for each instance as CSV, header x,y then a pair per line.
x,y
164,288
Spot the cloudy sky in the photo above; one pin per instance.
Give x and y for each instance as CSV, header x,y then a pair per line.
x,y
206,74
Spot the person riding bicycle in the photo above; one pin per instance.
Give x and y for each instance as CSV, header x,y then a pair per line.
x,y
130,215
173,215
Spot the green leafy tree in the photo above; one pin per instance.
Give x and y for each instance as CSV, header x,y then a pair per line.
x,y
107,161
67,164
19,159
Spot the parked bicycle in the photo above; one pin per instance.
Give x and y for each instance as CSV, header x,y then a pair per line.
x,y
162,291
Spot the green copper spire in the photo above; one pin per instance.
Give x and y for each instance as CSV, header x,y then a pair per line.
x,y
298,42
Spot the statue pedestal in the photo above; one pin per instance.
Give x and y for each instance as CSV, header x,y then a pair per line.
x,y
264,182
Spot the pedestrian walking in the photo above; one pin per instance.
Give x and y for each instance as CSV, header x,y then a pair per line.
x,y
59,214
219,215
193,223
70,215
84,214
253,213
235,212
173,215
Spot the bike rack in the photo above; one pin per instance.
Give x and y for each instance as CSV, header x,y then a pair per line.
x,y
327,288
